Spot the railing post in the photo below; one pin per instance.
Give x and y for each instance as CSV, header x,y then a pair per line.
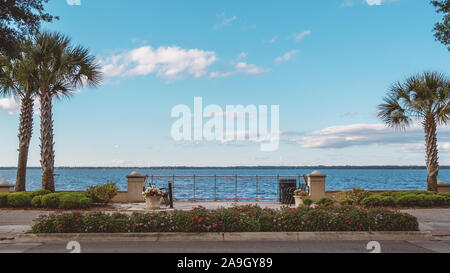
x,y
235,188
278,187
257,188
215,188
171,194
194,187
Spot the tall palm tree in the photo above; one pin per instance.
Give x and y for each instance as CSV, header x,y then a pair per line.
x,y
61,68
18,78
424,97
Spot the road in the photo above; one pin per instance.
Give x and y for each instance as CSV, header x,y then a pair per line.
x,y
234,247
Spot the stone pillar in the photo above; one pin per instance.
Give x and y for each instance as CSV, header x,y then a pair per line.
x,y
135,186
5,187
442,187
316,184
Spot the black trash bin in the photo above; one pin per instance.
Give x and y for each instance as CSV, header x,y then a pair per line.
x,y
287,189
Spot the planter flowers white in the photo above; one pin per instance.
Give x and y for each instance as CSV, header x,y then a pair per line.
x,y
152,198
299,195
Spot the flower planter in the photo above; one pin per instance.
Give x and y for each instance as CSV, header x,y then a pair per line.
x,y
298,201
152,202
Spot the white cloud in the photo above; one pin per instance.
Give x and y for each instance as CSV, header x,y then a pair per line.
x,y
351,3
286,57
366,134
349,114
10,105
373,2
73,2
170,62
251,69
225,22
298,37
220,74
243,55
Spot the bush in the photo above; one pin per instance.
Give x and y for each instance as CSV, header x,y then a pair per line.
x,y
36,202
407,199
238,219
3,200
103,194
346,202
50,201
74,201
307,202
19,200
326,202
357,195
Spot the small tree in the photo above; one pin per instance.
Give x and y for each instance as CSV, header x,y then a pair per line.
x,y
424,97
442,29
18,19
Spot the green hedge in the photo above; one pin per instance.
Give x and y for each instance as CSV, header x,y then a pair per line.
x,y
237,219
407,199
104,193
45,199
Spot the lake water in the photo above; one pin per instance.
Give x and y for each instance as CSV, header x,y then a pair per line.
x,y
224,188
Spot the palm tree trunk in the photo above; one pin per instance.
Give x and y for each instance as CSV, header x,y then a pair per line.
x,y
25,132
432,152
47,152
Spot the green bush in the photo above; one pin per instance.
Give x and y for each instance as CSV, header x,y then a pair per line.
x,y
3,200
307,202
36,202
19,200
357,195
407,199
103,194
74,201
50,201
237,219
325,201
346,202
39,193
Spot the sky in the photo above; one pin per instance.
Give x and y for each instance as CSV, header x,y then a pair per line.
x,y
327,64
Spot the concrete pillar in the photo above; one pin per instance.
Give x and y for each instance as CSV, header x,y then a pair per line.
x,y
5,187
316,184
136,183
442,187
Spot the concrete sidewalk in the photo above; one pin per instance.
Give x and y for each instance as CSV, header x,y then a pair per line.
x,y
435,220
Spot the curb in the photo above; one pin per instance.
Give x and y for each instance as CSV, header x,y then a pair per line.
x,y
226,237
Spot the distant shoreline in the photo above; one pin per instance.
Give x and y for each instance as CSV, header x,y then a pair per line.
x,y
388,167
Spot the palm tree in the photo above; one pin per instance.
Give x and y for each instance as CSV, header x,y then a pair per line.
x,y
17,78
61,68
424,97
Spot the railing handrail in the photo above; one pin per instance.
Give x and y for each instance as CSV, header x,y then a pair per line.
x,y
232,178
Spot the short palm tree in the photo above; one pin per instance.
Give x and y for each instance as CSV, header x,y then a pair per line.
x,y
424,97
61,68
18,78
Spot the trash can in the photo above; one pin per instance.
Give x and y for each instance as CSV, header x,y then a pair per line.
x,y
287,188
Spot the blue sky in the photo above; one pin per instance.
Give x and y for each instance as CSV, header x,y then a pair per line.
x,y
328,65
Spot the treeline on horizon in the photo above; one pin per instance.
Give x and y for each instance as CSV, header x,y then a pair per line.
x,y
381,167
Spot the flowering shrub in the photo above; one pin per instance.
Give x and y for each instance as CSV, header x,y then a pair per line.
x,y
237,219
152,192
301,193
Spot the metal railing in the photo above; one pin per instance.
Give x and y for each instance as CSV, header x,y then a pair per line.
x,y
226,187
